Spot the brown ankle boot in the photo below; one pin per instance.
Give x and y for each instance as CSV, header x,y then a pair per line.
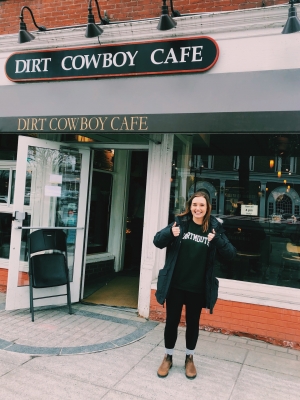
x,y
190,369
165,366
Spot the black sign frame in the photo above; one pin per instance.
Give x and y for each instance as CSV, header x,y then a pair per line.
x,y
172,56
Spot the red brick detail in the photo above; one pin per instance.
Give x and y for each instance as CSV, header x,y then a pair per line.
x,y
22,281
59,13
271,324
3,277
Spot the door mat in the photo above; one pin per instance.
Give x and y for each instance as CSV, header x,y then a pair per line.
x,y
122,291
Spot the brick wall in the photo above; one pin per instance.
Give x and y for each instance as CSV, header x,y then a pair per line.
x,y
3,280
270,324
58,13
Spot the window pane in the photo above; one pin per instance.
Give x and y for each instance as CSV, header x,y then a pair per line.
x,y
104,159
99,212
258,206
4,186
52,192
5,232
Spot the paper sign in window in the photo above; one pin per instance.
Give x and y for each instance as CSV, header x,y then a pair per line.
x,y
249,210
52,191
55,178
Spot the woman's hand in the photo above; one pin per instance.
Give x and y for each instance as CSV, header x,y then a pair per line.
x,y
211,235
175,230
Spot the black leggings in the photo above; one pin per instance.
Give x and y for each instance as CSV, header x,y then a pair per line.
x,y
193,306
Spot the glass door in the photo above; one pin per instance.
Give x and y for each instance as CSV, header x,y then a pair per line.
x,y
51,188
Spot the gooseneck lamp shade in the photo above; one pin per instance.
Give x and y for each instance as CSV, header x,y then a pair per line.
x,y
92,29
165,22
25,36
292,24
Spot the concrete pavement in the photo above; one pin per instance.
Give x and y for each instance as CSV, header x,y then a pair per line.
x,y
107,353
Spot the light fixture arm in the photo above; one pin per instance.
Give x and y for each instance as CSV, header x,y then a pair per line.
x,y
40,28
174,13
105,20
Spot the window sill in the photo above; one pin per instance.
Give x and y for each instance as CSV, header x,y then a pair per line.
x,y
91,258
257,293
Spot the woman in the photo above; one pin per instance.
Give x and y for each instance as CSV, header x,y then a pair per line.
x,y
188,276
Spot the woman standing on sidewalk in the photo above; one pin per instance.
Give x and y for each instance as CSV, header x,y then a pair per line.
x,y
188,277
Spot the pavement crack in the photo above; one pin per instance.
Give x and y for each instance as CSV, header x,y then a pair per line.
x,y
238,375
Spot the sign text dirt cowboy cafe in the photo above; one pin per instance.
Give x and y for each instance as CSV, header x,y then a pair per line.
x,y
195,54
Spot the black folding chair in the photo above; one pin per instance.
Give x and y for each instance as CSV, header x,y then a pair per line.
x,y
48,269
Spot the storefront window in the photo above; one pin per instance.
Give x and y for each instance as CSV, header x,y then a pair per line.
x,y
254,185
4,185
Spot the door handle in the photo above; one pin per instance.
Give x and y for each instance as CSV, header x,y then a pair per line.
x,y
19,216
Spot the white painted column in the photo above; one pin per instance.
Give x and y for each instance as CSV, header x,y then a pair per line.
x,y
156,214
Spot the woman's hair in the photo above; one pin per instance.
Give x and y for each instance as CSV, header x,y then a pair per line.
x,y
188,208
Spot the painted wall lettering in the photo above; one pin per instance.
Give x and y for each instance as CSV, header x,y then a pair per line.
x,y
95,123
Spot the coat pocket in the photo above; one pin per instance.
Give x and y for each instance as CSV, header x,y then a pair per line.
x,y
214,292
162,285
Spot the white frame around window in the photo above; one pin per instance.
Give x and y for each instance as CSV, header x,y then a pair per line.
x,y
210,162
293,164
236,163
251,163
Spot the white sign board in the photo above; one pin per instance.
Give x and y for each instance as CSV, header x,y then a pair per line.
x,y
249,210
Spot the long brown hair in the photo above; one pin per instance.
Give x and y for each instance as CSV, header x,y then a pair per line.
x,y
188,208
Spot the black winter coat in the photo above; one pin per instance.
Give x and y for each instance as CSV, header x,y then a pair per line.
x,y
220,243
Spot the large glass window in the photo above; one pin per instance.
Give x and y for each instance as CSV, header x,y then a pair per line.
x,y
254,187
51,196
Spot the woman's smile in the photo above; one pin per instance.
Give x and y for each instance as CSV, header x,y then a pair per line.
x,y
198,209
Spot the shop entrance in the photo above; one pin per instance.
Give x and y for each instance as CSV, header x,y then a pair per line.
x,y
115,228
50,189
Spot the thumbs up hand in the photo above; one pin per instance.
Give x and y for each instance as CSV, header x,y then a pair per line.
x,y
211,235
175,229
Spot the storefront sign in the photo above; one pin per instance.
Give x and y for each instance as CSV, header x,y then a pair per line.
x,y
158,57
79,124
84,124
246,122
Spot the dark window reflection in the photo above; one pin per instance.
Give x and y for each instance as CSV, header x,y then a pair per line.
x,y
99,212
253,182
5,233
4,186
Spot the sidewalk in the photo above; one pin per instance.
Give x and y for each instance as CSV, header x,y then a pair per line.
x,y
107,353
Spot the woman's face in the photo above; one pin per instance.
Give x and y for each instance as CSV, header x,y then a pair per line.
x,y
198,209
